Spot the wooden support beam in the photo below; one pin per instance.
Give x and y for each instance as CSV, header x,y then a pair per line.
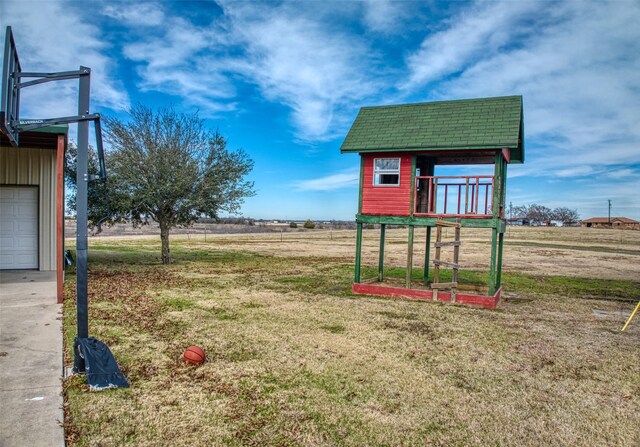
x,y
446,223
447,244
501,229
427,221
436,268
498,187
410,257
356,275
453,265
503,198
427,252
456,266
499,261
381,255
492,267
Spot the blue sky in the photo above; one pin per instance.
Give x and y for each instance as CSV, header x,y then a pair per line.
x,y
285,80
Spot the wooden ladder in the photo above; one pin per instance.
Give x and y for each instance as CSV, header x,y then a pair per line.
x,y
436,285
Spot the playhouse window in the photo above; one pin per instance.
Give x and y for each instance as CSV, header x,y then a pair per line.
x,y
386,171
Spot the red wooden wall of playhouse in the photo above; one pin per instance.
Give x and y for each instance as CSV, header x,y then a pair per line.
x,y
387,200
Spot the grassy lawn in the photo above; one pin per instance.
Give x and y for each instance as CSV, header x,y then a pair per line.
x,y
295,359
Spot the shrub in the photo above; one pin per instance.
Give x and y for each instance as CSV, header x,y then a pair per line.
x,y
293,225
309,225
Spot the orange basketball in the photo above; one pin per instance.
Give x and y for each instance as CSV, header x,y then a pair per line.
x,y
194,355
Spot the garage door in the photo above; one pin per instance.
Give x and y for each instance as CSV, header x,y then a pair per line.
x,y
18,227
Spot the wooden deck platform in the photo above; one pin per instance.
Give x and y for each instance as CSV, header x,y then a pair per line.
x,y
469,299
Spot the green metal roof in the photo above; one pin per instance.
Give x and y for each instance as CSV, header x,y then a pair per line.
x,y
468,124
58,129
44,137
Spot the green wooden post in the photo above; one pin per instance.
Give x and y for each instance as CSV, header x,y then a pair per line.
x,y
492,267
356,274
499,267
497,197
427,254
410,257
381,258
356,278
503,197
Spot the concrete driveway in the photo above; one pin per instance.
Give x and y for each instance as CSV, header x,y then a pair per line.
x,y
30,360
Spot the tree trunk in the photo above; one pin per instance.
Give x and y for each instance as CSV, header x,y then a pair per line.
x,y
164,236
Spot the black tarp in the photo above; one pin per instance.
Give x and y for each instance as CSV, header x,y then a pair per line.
x,y
100,366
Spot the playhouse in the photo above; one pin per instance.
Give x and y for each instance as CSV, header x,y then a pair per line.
x,y
400,147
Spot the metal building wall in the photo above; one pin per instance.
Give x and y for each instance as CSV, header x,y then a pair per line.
x,y
27,166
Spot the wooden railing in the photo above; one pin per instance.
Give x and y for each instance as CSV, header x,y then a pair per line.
x,y
454,196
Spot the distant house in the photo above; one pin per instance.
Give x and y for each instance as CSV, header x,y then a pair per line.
x,y
615,222
517,221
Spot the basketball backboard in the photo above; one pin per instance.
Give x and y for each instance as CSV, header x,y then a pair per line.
x,y
10,106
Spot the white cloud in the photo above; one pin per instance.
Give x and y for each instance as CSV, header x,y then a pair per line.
x,y
294,53
578,74
316,69
331,182
477,32
137,14
176,43
178,58
384,15
63,44
291,52
574,171
622,174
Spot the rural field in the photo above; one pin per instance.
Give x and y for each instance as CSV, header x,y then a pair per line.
x,y
295,359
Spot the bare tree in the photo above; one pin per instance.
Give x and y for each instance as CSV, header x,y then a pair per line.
x,y
539,213
565,215
520,211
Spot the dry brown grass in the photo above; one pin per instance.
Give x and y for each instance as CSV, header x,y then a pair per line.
x,y
530,250
295,359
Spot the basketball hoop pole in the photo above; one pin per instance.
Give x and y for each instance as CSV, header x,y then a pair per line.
x,y
105,370
82,180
